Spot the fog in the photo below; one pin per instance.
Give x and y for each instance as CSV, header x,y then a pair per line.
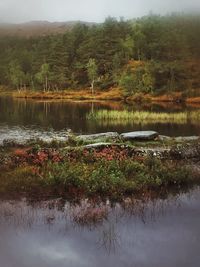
x,y
17,11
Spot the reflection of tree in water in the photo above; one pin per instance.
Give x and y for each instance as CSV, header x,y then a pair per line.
x,y
59,214
85,210
46,108
22,214
109,238
148,210
60,115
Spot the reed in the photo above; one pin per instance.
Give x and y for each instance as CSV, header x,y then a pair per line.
x,y
126,117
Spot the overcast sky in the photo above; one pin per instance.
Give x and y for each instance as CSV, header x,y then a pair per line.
x,y
88,10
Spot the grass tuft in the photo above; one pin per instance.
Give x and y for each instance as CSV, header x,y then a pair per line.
x,y
115,117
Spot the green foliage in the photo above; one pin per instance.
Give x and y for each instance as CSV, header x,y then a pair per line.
x,y
127,82
168,76
21,179
115,177
65,174
74,59
155,77
141,80
106,178
112,175
43,76
16,74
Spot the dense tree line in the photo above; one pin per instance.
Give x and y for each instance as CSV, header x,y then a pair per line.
x,y
103,55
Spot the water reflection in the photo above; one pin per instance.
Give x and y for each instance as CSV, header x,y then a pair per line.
x,y
58,116
158,233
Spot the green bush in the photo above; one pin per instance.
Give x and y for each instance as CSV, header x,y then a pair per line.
x,y
113,178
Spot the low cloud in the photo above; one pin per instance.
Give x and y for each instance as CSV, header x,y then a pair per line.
x,y
88,10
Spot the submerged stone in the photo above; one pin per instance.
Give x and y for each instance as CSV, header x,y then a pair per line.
x,y
139,135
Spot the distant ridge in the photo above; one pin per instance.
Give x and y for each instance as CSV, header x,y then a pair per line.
x,y
38,28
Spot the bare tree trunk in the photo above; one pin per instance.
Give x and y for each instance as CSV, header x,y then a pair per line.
x,y
18,88
46,83
92,108
92,87
139,56
21,88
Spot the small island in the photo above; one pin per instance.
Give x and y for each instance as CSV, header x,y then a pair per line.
x,y
134,164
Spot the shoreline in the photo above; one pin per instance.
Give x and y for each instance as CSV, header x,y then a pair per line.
x,y
109,95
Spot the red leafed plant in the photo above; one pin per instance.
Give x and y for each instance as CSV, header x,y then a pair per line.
x,y
112,153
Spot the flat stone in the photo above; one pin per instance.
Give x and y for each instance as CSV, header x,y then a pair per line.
x,y
93,137
140,135
104,144
98,145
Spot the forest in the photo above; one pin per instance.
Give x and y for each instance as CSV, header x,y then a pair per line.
x,y
153,54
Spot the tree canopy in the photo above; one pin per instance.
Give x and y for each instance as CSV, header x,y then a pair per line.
x,y
67,60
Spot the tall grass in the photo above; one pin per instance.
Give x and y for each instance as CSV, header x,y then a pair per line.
x,y
145,117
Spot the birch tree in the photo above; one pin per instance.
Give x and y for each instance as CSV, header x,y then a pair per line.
x,y
92,72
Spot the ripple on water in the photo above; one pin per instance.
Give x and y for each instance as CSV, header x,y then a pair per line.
x,y
22,134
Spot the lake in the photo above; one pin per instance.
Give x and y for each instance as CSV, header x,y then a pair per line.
x,y
25,119
158,233
155,233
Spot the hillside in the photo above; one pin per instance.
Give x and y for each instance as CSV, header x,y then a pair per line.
x,y
152,55
37,28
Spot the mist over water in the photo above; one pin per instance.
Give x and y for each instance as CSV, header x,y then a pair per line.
x,y
154,232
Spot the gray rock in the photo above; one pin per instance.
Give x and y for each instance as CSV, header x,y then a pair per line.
x,y
186,138
139,135
158,152
186,152
98,145
104,144
164,138
93,137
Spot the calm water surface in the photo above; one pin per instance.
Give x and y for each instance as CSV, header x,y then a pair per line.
x,y
161,233
24,119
